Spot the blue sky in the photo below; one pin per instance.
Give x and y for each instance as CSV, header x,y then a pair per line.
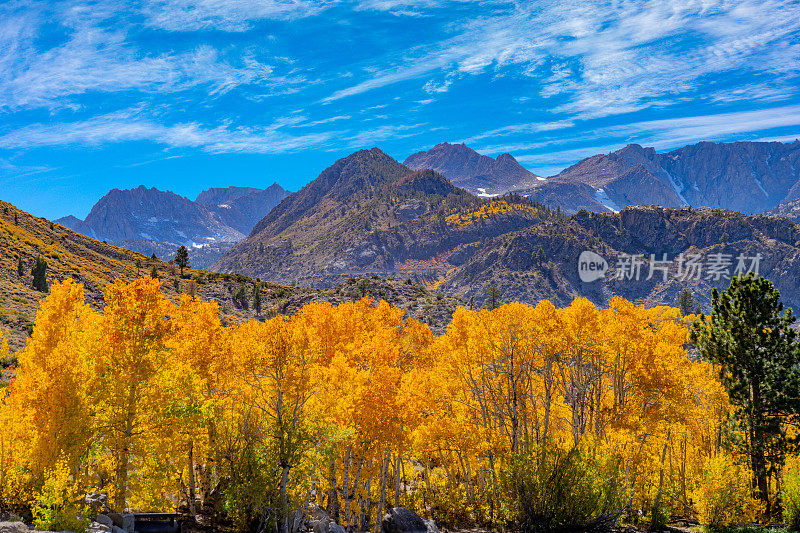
x,y
185,95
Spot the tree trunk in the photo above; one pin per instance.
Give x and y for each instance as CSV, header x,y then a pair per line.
x,y
345,485
333,492
283,518
397,481
382,501
191,502
657,499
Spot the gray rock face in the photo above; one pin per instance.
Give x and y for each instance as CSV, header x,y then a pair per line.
x,y
402,520
13,527
97,527
104,520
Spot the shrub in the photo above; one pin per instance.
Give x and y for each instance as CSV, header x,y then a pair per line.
x,y
559,490
791,499
55,508
725,496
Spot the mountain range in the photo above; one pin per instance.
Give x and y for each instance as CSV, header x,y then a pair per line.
x,y
368,213
95,264
151,221
749,177
462,222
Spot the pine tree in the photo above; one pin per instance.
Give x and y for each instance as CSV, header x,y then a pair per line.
x,y
154,272
138,266
687,304
20,266
257,299
39,272
750,337
182,258
492,298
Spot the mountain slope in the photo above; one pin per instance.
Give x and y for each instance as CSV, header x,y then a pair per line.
x,y
479,174
223,195
749,177
95,264
541,261
789,209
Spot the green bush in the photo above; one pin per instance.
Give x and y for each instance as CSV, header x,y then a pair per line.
x,y
791,500
557,489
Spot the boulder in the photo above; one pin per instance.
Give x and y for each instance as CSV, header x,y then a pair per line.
x,y
13,527
104,520
116,519
97,527
117,529
336,528
402,520
97,501
128,522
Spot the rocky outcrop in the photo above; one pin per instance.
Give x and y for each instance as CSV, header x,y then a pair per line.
x,y
242,212
479,174
790,210
13,527
402,520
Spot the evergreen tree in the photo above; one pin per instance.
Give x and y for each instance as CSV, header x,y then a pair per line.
x,y
492,298
20,266
687,304
182,258
154,272
39,272
240,296
138,266
257,298
750,337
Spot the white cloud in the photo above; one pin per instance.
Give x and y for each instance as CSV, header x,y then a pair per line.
x,y
130,126
663,134
605,58
226,15
93,58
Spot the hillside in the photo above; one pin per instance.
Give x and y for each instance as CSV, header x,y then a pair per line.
x,y
369,213
789,209
478,174
95,264
541,261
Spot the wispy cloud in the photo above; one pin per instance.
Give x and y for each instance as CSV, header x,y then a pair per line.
x,y
94,59
663,134
226,15
129,126
605,58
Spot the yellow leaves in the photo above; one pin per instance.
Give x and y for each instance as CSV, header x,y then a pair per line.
x,y
491,209
132,389
725,496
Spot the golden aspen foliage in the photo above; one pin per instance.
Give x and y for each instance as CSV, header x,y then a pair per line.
x,y
358,408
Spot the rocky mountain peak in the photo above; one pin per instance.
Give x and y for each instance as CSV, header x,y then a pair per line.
x,y
477,173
